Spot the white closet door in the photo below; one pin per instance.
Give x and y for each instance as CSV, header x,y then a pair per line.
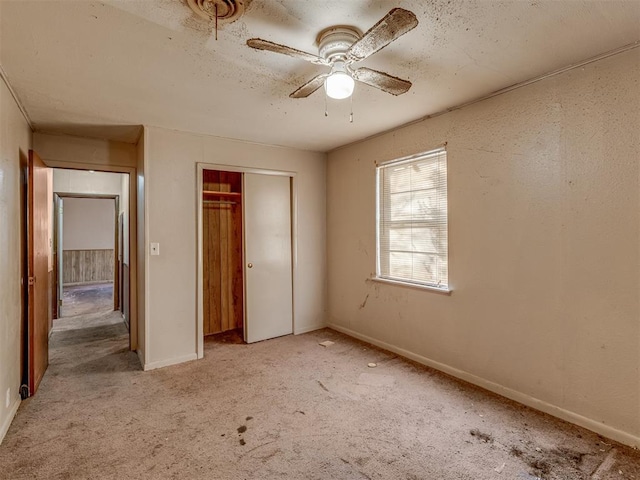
x,y
268,277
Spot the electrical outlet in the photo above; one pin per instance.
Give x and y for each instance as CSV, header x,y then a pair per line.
x,y
8,399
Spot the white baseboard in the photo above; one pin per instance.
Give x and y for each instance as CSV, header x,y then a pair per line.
x,y
140,357
300,331
588,423
93,282
169,361
4,428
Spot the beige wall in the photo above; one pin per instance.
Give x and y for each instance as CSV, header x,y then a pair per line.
x,y
95,183
89,224
544,246
86,182
85,151
171,213
15,142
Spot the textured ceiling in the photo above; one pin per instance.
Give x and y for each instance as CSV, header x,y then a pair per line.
x,y
94,68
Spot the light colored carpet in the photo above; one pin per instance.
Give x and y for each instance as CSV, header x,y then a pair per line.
x,y
286,408
96,319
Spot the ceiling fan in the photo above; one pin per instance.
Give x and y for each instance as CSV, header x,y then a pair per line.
x,y
340,47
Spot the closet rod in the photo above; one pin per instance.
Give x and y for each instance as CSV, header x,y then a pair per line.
x,y
220,202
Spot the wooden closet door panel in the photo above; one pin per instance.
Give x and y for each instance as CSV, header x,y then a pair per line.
x,y
222,252
211,258
224,247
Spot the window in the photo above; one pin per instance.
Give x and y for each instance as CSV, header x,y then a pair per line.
x,y
412,220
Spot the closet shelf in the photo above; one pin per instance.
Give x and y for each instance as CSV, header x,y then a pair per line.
x,y
213,193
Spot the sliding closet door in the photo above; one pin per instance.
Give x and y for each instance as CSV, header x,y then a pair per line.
x,y
268,277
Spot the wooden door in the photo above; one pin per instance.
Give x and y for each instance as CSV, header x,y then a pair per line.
x,y
38,266
268,275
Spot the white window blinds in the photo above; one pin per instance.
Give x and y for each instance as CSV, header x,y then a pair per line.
x,y
412,220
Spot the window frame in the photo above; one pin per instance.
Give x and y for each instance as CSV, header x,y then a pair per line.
x,y
380,167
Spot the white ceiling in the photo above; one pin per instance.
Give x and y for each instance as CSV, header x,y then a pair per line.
x,y
95,68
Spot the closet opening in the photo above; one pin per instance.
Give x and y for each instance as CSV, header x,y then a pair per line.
x,y
222,255
246,255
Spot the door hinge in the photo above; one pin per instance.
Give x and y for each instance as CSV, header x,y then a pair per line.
x,y
60,302
32,281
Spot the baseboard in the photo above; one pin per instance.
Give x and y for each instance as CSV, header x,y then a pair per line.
x,y
169,361
92,282
140,357
300,331
523,398
4,428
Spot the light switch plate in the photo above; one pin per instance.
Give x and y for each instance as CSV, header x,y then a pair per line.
x,y
155,248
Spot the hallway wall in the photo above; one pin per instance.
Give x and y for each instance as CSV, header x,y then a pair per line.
x,y
15,142
89,234
88,240
89,224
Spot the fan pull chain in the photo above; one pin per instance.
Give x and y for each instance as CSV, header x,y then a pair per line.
x,y
216,7
351,114
326,113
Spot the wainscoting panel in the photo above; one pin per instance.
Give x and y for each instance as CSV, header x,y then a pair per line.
x,y
87,266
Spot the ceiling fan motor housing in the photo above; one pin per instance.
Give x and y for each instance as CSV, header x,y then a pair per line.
x,y
227,11
334,42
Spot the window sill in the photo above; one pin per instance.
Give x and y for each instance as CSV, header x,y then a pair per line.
x,y
399,283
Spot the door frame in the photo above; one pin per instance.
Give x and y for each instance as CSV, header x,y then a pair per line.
x,y
201,167
57,254
120,262
133,232
57,234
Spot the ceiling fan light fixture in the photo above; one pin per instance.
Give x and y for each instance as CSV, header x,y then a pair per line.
x,y
339,84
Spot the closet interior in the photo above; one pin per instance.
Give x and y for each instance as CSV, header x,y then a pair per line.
x,y
222,252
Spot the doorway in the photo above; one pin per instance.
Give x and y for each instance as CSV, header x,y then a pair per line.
x,y
245,268
91,217
87,253
41,263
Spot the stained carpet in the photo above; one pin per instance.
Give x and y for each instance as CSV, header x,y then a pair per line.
x,y
286,408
